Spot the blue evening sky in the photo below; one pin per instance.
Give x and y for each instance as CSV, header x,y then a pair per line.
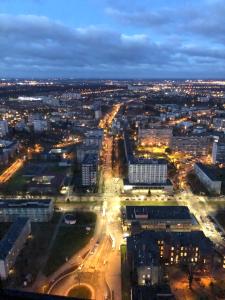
x,y
112,38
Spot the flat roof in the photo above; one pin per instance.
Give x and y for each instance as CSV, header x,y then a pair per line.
x,y
144,246
11,236
214,173
158,212
26,203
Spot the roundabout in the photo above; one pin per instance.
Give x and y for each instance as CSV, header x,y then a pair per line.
x,y
82,291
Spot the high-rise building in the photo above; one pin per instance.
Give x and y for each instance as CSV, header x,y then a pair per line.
x,y
3,128
218,151
89,170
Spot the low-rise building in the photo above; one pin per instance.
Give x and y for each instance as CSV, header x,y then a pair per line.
x,y
37,210
211,177
176,218
12,243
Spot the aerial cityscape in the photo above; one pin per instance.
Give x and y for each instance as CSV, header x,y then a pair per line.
x,y
112,150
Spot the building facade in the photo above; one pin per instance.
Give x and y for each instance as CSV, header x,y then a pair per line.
x,y
36,210
147,171
12,243
177,218
195,145
210,177
155,135
89,169
149,251
218,152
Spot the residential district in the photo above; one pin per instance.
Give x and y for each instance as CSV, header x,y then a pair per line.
x,y
112,189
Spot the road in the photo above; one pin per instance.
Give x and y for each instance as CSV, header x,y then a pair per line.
x,y
11,170
100,267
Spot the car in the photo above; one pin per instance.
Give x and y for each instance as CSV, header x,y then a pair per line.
x,y
80,267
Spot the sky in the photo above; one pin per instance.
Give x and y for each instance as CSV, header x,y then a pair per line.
x,y
112,38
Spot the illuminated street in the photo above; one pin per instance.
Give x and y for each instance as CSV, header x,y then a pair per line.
x,y
11,170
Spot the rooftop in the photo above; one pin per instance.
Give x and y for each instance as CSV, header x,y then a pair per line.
x,y
158,212
11,236
214,173
145,250
28,203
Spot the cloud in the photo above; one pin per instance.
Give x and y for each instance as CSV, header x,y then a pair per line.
x,y
37,46
141,18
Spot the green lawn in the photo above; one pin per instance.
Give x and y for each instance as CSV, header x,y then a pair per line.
x,y
69,240
85,218
30,260
125,277
16,183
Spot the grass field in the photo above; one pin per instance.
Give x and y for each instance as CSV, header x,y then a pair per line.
x,y
125,277
31,257
69,240
16,183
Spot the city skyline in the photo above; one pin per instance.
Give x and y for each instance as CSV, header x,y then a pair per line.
x,y
112,39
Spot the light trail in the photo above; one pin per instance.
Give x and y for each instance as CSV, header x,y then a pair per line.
x,y
10,171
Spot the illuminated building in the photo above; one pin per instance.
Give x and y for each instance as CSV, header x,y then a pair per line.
x,y
194,144
155,135
147,171
149,251
89,170
12,243
144,173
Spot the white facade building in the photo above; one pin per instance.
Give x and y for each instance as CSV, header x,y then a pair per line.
x,y
147,171
89,170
